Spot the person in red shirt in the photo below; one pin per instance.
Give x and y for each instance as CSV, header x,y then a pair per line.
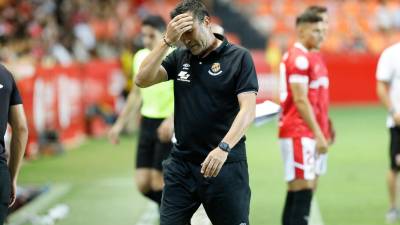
x,y
301,136
322,105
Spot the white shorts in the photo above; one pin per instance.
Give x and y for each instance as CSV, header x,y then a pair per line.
x,y
321,165
301,160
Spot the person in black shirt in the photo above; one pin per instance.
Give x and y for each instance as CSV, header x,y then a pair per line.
x,y
12,112
215,86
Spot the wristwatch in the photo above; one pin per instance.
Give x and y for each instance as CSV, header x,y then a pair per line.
x,y
224,146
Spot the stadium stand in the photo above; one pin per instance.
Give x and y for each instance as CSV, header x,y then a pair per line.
x,y
350,28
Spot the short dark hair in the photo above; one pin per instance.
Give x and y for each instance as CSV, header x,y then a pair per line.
x,y
308,17
197,7
317,9
155,21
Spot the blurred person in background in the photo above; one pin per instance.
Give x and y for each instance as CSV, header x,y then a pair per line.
x,y
322,84
388,90
156,129
12,112
301,137
383,16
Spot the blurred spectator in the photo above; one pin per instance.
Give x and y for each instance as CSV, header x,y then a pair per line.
x,y
273,54
396,18
65,31
384,16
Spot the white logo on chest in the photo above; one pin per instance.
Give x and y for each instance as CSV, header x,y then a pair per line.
x,y
184,76
1,86
301,63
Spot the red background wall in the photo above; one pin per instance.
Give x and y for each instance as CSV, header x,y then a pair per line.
x,y
352,77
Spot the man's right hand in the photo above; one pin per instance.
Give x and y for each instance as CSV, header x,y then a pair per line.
x,y
396,118
166,130
177,26
332,133
13,196
322,144
113,134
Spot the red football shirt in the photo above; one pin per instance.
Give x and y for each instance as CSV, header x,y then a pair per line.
x,y
297,66
322,112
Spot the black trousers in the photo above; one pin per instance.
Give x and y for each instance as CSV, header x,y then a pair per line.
x,y
226,198
5,192
394,149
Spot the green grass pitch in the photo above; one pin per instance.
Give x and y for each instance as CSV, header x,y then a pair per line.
x,y
352,193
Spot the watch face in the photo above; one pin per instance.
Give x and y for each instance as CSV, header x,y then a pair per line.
x,y
224,146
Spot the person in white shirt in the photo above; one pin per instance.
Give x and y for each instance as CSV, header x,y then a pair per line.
x,y
388,90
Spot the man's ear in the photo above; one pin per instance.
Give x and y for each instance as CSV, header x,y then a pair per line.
x,y
207,21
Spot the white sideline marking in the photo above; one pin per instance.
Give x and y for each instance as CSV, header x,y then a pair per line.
x,y
43,201
150,215
315,215
200,217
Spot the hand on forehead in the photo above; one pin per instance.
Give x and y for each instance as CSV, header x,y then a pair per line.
x,y
184,16
187,16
